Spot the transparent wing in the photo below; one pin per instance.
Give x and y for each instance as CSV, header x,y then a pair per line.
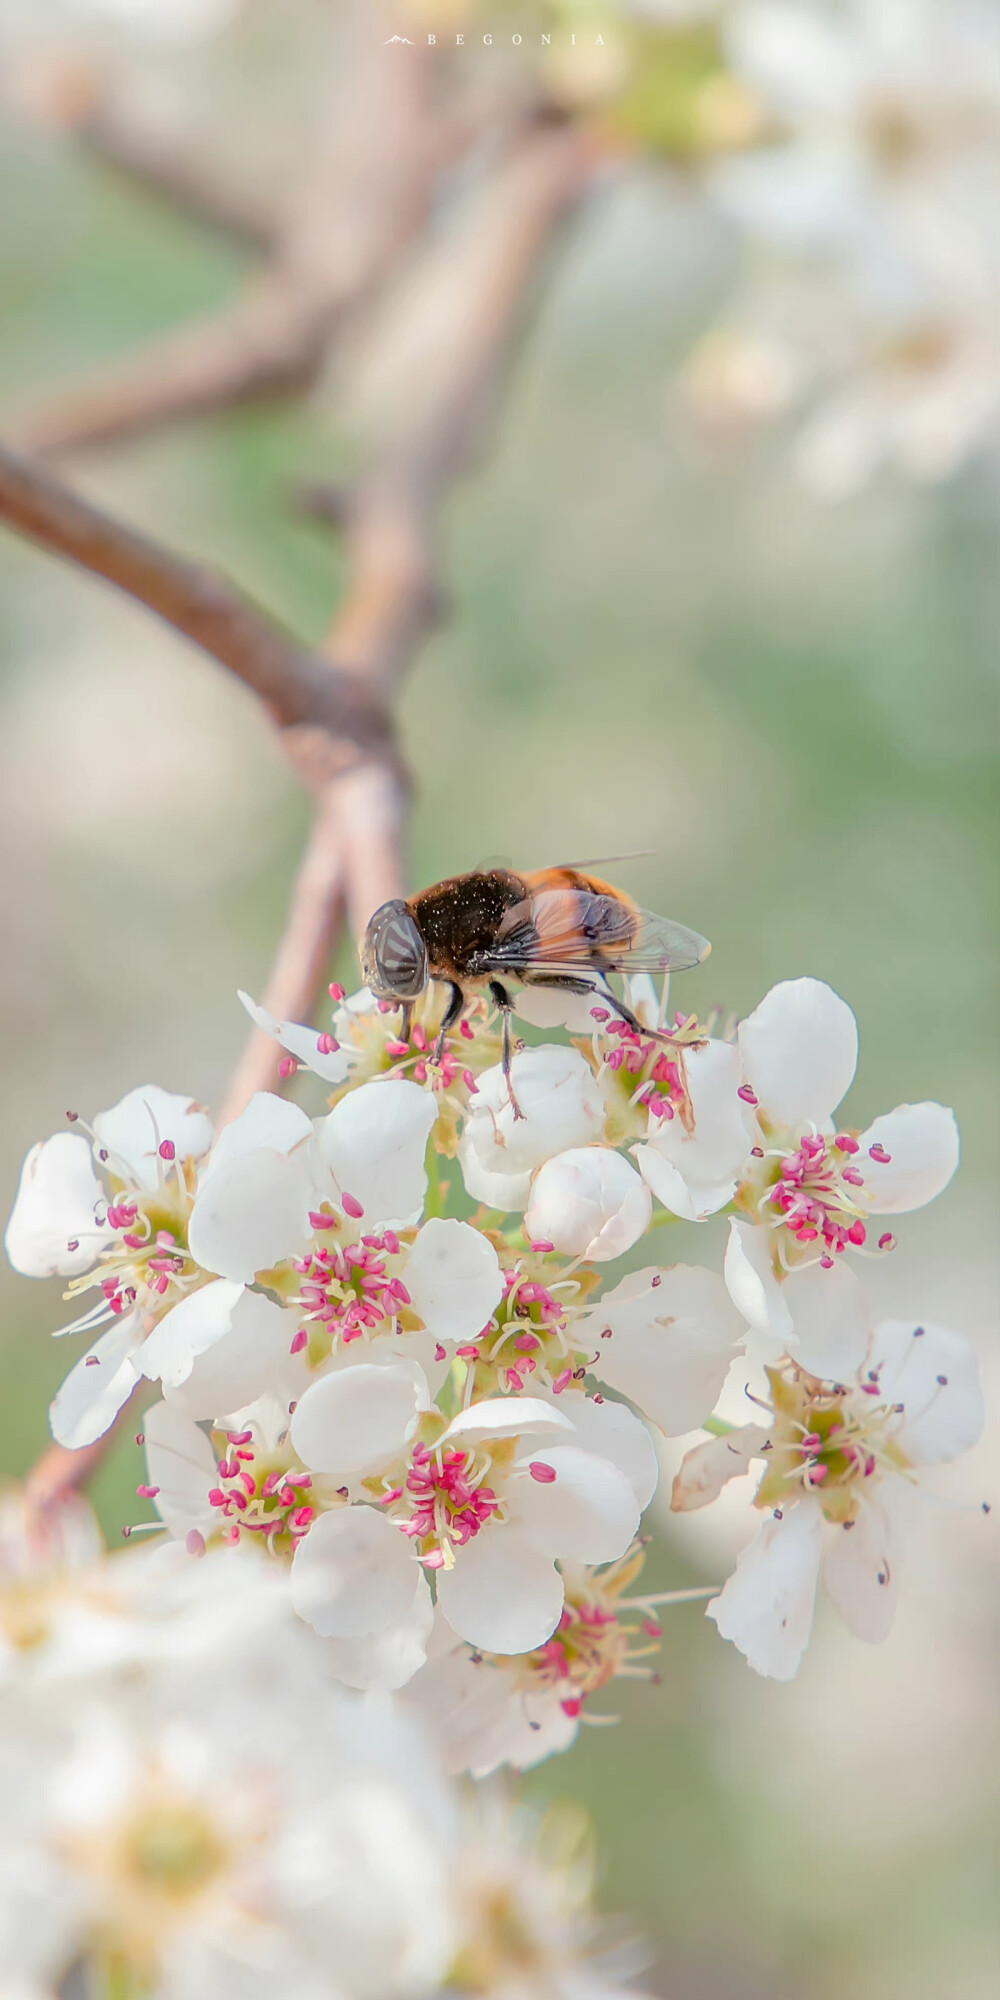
x,y
562,930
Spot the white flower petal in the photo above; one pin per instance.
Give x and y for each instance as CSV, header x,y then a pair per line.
x,y
800,1051
389,1659
248,1355
690,1201
269,1122
766,1608
250,1213
831,1320
752,1285
611,1431
94,1391
502,1594
935,1375
561,1104
186,1330
506,1192
374,1142
383,1350
804,63
509,1416
922,1143
134,1129
358,1419
587,1513
334,1065
717,1148
454,1279
861,1571
353,1575
710,1466
673,1335
588,1203
54,1207
181,1462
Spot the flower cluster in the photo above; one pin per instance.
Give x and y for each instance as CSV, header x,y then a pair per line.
x,y
201,1817
870,305
439,1424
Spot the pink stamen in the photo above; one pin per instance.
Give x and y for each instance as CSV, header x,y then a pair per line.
x,y
545,1474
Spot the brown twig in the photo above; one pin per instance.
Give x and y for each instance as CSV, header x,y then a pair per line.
x,y
369,194
300,687
162,169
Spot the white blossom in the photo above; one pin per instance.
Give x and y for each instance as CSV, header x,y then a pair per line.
x,y
111,1212
870,204
561,1109
588,1202
840,1465
487,1503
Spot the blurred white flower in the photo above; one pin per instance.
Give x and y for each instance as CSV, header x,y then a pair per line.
x,y
225,1821
112,1211
840,1463
877,187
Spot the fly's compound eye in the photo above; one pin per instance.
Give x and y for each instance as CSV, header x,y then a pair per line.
x,y
394,956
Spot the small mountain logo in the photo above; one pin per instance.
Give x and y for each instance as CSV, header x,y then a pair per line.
x,y
398,38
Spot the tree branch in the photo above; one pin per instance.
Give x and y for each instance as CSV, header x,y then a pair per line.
x,y
298,686
369,194
161,169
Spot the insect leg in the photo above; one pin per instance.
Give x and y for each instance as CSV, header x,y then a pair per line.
x,y
501,998
568,982
598,987
455,1004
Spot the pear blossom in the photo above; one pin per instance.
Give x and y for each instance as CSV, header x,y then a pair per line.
x,y
841,1461
588,1202
371,1038
486,1503
111,1211
804,1188
665,1337
561,1109
272,1170
488,1710
258,1491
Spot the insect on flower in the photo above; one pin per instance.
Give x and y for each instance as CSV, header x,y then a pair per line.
x,y
555,927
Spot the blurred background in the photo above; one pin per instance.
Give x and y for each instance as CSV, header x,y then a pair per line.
x,y
723,587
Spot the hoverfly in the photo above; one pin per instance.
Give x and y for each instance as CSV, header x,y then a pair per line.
x,y
554,927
